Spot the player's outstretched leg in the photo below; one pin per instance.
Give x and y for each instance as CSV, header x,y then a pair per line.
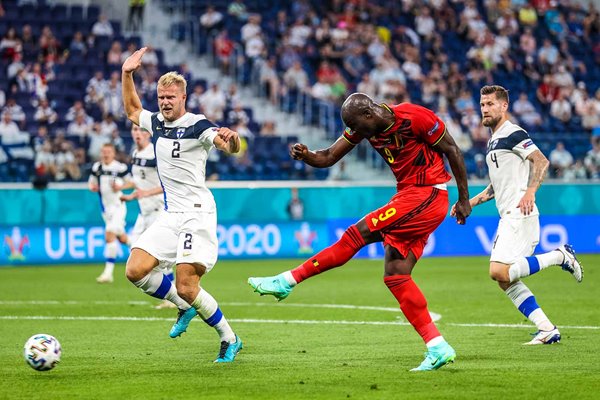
x,y
209,311
335,255
414,306
564,256
526,303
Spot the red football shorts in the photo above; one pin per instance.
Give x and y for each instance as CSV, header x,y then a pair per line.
x,y
409,218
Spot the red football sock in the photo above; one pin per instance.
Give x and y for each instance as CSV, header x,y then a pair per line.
x,y
335,255
413,305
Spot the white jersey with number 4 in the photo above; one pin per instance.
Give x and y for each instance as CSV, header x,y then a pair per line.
x,y
145,177
181,149
506,158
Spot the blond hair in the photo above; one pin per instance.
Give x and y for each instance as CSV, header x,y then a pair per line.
x,y
173,78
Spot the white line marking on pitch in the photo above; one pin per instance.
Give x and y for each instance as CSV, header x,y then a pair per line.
x,y
269,321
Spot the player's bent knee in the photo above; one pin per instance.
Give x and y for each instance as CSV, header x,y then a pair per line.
x,y
139,264
499,272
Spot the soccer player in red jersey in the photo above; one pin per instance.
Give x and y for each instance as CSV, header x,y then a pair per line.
x,y
413,141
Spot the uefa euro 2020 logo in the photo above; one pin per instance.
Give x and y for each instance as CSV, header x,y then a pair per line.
x,y
16,244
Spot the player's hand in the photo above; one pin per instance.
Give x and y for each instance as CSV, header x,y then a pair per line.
x,y
299,151
134,61
128,197
527,203
227,134
93,187
116,187
140,193
461,210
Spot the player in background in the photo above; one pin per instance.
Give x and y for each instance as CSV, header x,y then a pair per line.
x,y
107,176
148,192
186,232
413,141
517,168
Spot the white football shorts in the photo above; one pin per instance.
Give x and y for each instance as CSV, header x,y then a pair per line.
x,y
114,219
516,237
142,223
182,237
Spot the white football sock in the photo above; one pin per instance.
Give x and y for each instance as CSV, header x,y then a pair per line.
x,y
158,285
210,312
525,302
289,278
110,252
526,266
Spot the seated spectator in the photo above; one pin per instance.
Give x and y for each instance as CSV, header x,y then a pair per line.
x,y
560,159
97,140
114,54
528,16
237,114
9,130
45,163
296,78
575,172
79,127
66,165
481,170
103,27
213,103
76,109
41,136
232,95
269,80
322,90
29,43
211,20
2,98
16,112
78,44
367,86
97,82
526,112
113,98
108,127
10,44
44,114
268,129
223,48
547,92
592,159
561,108
193,100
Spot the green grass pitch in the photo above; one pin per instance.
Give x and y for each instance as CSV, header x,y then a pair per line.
x,y
338,336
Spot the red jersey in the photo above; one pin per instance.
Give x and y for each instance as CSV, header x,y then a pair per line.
x,y
407,145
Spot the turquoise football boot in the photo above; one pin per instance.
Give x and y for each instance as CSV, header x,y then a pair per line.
x,y
276,286
228,350
184,317
436,357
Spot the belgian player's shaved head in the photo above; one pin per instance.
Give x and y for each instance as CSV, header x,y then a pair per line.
x,y
365,117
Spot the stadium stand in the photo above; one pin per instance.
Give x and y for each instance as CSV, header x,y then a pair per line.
x,y
305,57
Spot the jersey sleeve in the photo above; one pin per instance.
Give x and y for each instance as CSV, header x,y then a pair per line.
x,y
93,179
425,123
206,131
523,145
351,137
146,121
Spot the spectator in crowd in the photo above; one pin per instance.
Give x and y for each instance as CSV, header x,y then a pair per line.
x,y
2,98
66,164
237,114
193,100
269,80
76,109
15,111
238,9
40,137
576,171
115,53
213,103
97,140
45,164
561,108
103,27
108,126
9,130
268,128
211,20
79,127
135,16
560,159
296,78
223,48
592,159
526,112
44,114
232,95
547,92
78,45
295,206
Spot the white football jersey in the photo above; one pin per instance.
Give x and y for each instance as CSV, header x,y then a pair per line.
x,y
508,167
181,149
104,175
145,177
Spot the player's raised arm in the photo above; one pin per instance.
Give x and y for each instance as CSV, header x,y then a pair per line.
x,y
131,100
448,147
536,177
321,158
227,140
